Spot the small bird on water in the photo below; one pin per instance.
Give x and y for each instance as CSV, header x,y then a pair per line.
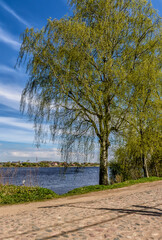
x,y
23,182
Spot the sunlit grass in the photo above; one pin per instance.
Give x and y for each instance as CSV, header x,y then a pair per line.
x,y
94,188
10,194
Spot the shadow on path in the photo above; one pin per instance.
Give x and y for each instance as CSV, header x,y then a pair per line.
x,y
125,212
147,211
145,207
122,212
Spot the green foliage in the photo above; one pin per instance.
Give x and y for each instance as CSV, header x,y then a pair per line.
x,y
87,71
10,194
44,164
142,133
141,136
128,165
155,163
125,168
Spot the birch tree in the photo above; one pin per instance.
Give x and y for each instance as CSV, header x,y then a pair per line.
x,y
84,72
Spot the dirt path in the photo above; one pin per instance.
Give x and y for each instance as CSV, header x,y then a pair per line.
x,y
130,213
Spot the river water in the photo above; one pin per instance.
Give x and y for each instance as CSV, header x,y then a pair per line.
x,y
60,180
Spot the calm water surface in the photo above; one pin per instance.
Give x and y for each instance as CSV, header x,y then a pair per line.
x,y
60,180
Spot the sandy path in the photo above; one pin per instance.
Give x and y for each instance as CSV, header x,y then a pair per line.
x,y
130,213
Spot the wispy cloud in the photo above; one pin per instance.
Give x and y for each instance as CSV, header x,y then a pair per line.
x,y
8,39
15,122
11,70
6,69
10,92
16,130
45,154
14,14
16,136
14,152
10,95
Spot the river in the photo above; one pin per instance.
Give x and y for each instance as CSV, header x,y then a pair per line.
x,y
60,180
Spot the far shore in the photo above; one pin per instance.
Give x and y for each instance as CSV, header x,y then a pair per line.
x,y
46,164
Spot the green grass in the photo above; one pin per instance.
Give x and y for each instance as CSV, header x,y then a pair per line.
x,y
10,194
95,188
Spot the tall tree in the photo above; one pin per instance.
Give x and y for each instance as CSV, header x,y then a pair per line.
x,y
141,134
144,125
84,71
144,117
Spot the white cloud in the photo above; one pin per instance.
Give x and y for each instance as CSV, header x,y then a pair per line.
x,y
8,39
6,69
17,73
16,136
14,105
45,154
16,123
10,92
13,13
31,154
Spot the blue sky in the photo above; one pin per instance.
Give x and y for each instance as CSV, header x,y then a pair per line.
x,y
16,132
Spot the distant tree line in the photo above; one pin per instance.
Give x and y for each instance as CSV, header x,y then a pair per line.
x,y
46,164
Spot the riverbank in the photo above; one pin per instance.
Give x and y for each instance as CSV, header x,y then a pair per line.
x,y
11,194
127,213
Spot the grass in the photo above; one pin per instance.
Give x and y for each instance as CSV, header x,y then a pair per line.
x,y
11,194
95,188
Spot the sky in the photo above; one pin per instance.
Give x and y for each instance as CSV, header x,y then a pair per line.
x,y
16,132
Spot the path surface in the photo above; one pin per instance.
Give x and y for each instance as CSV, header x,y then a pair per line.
x,y
130,213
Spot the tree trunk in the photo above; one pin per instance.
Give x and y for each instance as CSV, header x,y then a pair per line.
x,y
143,157
145,170
103,176
156,170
